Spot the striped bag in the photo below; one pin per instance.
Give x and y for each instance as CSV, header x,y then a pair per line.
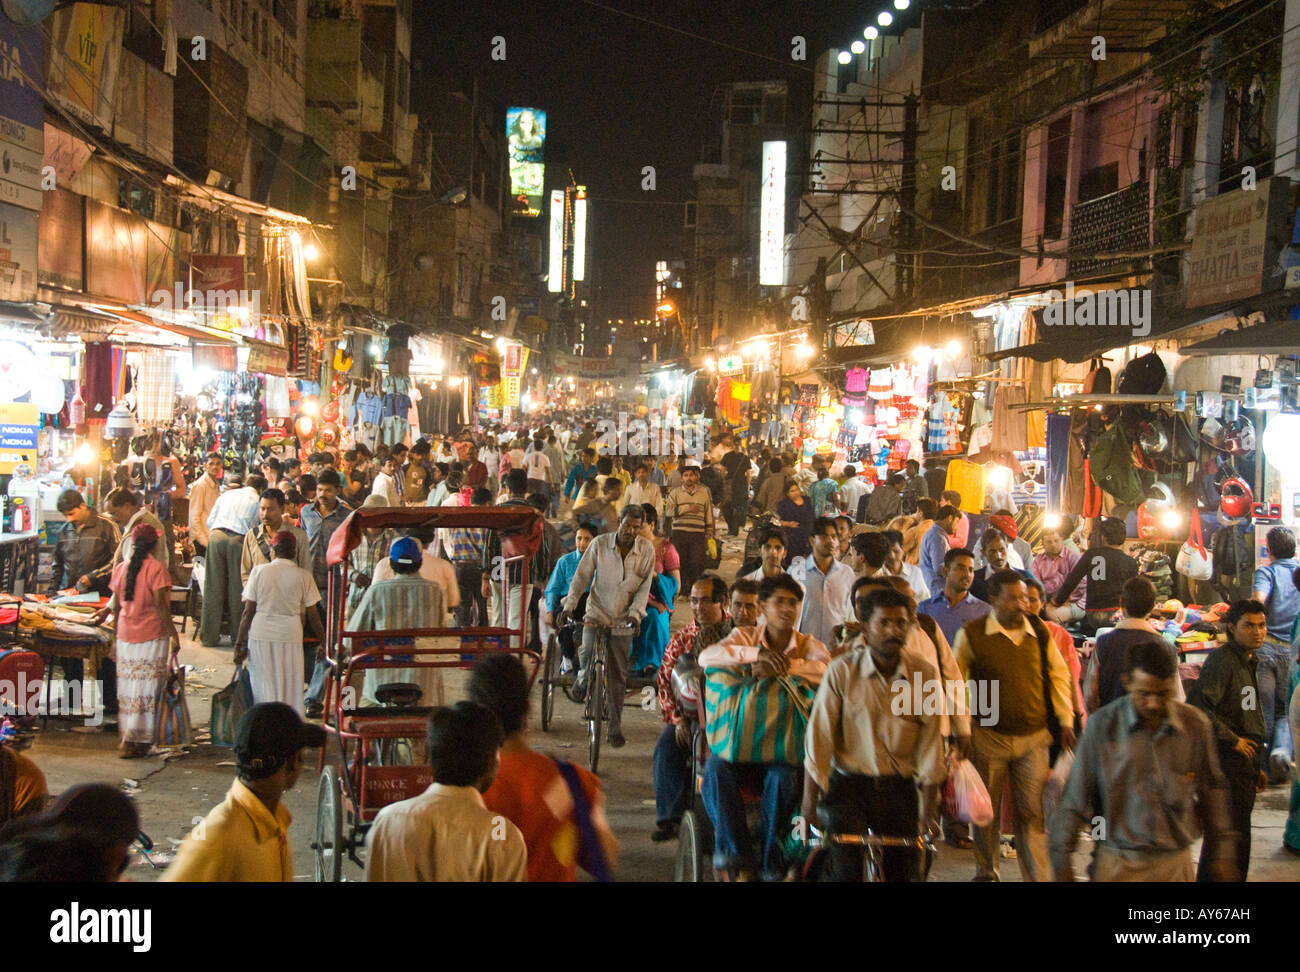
x,y
756,720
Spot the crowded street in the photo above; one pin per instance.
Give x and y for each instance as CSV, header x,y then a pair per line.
x,y
584,442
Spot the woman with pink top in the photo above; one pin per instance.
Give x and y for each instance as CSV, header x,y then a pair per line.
x,y
142,618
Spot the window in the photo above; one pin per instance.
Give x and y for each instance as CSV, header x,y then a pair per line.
x,y
403,82
1058,161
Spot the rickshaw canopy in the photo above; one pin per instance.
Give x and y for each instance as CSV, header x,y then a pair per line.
x,y
520,527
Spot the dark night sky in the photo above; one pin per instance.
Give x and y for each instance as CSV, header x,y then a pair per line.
x,y
621,94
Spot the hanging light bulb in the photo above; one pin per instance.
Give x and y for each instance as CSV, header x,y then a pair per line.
x,y
902,4
844,57
1051,520
857,47
871,33
884,18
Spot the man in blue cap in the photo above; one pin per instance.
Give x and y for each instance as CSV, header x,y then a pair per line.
x,y
405,600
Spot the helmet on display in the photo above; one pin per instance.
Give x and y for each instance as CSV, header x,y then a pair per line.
x,y
1240,437
1147,524
342,360
1151,438
686,680
1159,498
1235,502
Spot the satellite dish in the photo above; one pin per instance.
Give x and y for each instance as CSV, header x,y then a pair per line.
x,y
27,12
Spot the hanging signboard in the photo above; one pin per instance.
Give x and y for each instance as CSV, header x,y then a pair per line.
x,y
19,423
1234,243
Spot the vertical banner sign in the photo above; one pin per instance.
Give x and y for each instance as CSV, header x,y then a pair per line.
x,y
511,369
580,235
18,425
22,150
771,262
555,277
526,140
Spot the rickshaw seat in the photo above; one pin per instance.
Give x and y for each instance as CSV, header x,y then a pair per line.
x,y
400,694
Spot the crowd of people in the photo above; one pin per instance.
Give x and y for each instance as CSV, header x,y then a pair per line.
x,y
846,598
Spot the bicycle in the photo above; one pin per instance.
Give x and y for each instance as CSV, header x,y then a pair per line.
x,y
598,703
871,843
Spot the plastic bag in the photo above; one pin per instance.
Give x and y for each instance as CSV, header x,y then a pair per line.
x,y
1055,788
965,797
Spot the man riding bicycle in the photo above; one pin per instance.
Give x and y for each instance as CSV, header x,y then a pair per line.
x,y
615,572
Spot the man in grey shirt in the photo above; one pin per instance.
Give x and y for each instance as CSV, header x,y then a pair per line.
x,y
1146,781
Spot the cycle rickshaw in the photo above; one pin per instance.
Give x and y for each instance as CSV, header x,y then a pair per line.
x,y
695,832
374,766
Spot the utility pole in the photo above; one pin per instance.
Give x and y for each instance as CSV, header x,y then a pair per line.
x,y
905,259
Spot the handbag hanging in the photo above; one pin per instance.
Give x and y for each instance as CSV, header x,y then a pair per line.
x,y
229,706
173,726
1194,561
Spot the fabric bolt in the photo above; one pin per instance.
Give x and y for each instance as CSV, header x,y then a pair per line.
x,y
142,668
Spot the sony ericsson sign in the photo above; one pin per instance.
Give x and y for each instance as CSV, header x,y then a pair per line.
x,y
1129,308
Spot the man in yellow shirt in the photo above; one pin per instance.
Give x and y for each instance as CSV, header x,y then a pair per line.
x,y
246,837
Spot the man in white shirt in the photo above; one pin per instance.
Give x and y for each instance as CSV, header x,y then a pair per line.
x,y
447,833
203,496
385,483
866,752
615,572
234,514
538,467
851,491
642,490
827,584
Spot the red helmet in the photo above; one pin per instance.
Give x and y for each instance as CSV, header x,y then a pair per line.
x,y
1236,500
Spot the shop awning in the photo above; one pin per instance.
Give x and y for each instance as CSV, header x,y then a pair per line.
x,y
20,314
1075,344
1271,337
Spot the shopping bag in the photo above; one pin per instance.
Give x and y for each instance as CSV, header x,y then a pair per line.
x,y
1055,788
172,726
756,720
965,797
1194,561
712,554
229,706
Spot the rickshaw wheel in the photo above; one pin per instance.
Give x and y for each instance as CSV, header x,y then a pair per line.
x,y
548,681
690,850
329,827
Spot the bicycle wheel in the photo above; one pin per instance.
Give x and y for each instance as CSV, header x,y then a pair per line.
x,y
328,845
550,667
690,850
595,712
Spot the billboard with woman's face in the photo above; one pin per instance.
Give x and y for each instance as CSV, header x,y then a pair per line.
x,y
526,138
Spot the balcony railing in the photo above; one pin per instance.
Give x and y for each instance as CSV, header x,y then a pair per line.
x,y
1114,222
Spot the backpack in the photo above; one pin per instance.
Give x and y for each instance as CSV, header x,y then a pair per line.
x,y
1156,568
1232,556
1110,464
1142,376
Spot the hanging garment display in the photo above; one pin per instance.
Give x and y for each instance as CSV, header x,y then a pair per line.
x,y
967,479
1058,461
855,381
277,397
1010,432
881,386
156,391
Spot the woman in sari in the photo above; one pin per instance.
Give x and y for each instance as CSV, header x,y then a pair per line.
x,y
650,642
142,618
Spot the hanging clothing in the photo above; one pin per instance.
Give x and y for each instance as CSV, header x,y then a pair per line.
x,y
967,479
1058,461
156,395
277,398
855,381
1010,431
98,388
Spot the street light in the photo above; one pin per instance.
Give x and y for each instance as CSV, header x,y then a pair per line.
x,y
884,18
844,57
